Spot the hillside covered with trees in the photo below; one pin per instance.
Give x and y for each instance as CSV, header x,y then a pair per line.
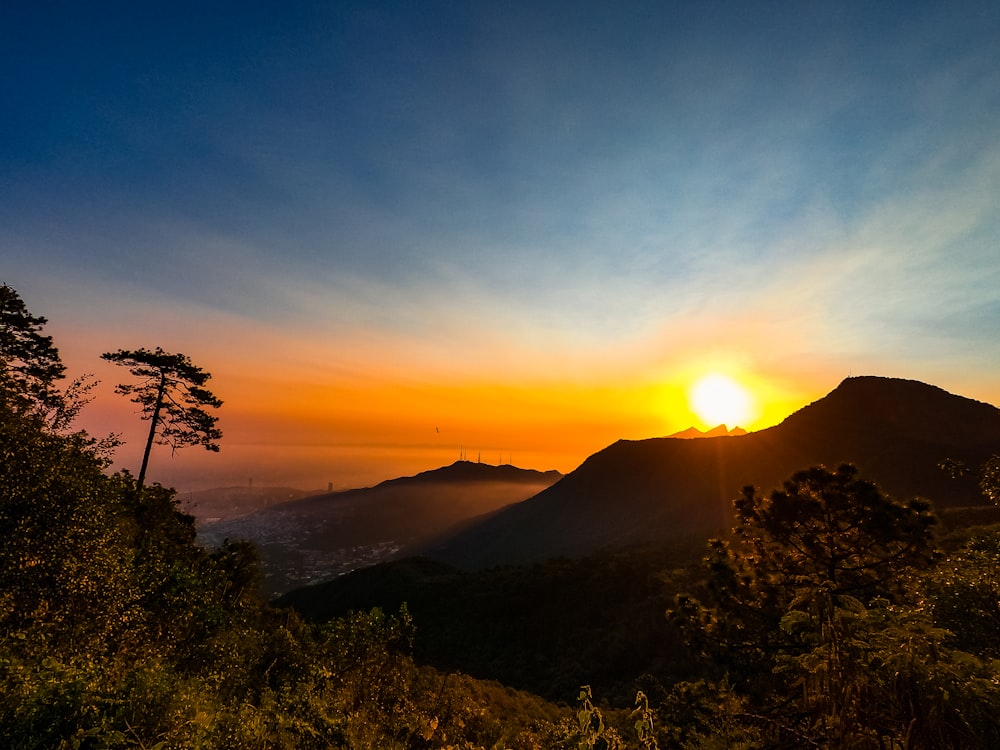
x,y
117,630
833,616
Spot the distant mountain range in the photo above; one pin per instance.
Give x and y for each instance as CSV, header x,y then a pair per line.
x,y
316,538
720,431
896,431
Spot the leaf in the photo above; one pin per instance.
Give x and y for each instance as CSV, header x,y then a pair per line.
x,y
795,621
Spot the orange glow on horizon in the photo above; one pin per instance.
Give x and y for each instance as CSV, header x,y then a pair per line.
x,y
304,416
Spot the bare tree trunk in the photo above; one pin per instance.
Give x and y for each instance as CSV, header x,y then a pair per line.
x,y
153,422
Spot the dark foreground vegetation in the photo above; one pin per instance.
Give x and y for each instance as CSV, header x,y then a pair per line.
x,y
833,617
546,628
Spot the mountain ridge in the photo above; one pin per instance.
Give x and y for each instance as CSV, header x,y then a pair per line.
x,y
896,431
324,535
717,431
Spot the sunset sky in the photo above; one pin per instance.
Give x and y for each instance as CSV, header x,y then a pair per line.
x,y
391,230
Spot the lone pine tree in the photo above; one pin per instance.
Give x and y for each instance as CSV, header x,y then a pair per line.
x,y
173,398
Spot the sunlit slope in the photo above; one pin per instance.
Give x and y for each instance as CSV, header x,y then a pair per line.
x,y
896,431
314,538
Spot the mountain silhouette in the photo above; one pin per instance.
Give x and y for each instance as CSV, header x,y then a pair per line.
x,y
318,537
718,431
897,432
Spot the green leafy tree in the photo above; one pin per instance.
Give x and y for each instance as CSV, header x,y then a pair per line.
x,y
833,529
173,398
62,539
822,530
790,593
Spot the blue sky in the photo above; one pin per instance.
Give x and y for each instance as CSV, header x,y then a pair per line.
x,y
559,193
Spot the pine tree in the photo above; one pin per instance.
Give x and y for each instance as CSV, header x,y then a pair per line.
x,y
29,362
173,398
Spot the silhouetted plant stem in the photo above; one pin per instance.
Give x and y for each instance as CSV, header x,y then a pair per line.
x,y
153,423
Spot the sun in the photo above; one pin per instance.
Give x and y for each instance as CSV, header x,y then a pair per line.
x,y
717,399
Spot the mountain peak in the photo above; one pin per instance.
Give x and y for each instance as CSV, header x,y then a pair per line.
x,y
475,471
916,409
718,431
897,432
